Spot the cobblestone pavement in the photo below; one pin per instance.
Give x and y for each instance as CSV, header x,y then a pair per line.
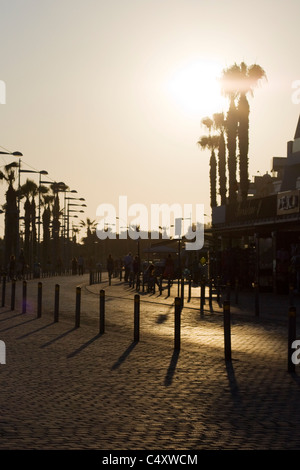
x,y
72,388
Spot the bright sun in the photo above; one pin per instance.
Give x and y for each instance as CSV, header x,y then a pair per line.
x,y
195,88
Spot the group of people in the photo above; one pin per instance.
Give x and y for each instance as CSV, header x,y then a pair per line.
x,y
77,265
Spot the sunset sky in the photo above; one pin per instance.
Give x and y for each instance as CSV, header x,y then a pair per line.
x,y
108,96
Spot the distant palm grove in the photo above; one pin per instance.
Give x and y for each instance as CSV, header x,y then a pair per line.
x,y
228,136
37,226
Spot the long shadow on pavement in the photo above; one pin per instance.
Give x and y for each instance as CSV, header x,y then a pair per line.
x,y
36,331
19,324
124,355
172,368
57,338
85,345
233,383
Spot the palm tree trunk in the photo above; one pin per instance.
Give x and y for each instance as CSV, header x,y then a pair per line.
x,y
46,237
213,179
243,139
11,223
27,218
222,169
231,129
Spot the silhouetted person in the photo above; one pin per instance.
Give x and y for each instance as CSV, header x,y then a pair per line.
x,y
127,266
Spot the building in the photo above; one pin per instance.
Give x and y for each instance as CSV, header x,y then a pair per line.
x,y
258,240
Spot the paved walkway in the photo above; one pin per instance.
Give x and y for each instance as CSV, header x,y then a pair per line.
x,y
71,388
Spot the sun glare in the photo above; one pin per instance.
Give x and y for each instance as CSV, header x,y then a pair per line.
x,y
196,89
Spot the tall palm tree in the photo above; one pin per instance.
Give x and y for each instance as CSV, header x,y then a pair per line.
x,y
229,82
11,232
219,125
211,142
29,190
89,224
249,78
47,201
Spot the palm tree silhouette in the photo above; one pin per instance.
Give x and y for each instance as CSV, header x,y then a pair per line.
x,y
11,230
229,82
89,224
220,126
237,81
211,142
249,78
29,191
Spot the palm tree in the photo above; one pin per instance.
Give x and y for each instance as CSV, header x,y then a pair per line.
x,y
89,224
229,82
211,142
249,78
219,125
11,232
47,201
29,191
237,81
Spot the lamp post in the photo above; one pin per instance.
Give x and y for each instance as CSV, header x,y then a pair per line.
x,y
68,219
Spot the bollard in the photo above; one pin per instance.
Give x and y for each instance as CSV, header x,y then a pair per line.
x,y
136,336
77,311
182,292
291,337
227,335
39,300
3,290
177,323
210,292
56,303
24,299
13,294
102,312
202,295
256,301
190,289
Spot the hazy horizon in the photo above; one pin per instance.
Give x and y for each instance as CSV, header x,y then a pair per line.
x,y
109,97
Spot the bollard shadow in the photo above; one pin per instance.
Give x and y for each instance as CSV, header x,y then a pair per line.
x,y
13,316
85,345
172,368
234,389
57,338
125,354
35,331
19,324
